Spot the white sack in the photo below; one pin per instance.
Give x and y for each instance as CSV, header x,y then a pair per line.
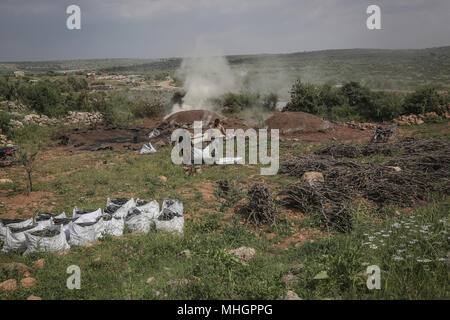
x,y
171,218
46,244
120,211
113,226
147,149
137,221
84,217
149,209
16,240
83,233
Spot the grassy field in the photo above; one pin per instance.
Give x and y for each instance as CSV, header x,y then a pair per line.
x,y
376,69
410,246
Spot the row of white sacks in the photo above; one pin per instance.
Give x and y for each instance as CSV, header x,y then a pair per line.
x,y
49,233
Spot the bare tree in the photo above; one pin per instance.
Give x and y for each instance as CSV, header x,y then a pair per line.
x,y
27,160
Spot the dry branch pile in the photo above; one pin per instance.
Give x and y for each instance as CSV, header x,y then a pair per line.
x,y
261,207
425,167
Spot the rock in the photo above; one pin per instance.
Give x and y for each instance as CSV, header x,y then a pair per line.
x,y
6,181
34,298
178,282
419,121
288,279
312,178
396,169
185,254
15,267
290,295
243,253
39,264
296,269
9,285
150,280
162,178
28,283
27,274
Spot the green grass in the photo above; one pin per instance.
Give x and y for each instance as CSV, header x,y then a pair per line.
x,y
119,268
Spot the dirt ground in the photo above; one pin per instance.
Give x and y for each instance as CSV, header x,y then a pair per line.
x,y
296,126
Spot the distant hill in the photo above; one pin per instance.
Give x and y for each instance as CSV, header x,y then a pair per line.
x,y
375,68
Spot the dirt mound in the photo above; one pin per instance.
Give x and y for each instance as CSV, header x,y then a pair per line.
x,y
188,117
298,122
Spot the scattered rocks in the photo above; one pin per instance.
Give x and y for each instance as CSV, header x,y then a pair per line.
x,y
39,120
243,253
34,298
290,295
9,285
150,280
85,118
5,181
27,274
39,264
14,267
16,107
28,283
16,124
185,254
418,119
312,178
162,178
361,125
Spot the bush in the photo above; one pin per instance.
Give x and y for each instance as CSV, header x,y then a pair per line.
x,y
344,113
304,97
147,109
270,101
43,98
4,121
425,99
236,102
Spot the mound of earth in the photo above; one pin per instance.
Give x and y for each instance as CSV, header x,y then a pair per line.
x,y
188,117
297,122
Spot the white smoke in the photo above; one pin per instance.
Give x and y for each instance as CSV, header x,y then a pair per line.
x,y
206,74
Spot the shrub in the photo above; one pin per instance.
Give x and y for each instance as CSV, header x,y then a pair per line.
x,y
4,121
149,109
236,102
43,98
425,99
304,97
270,101
344,113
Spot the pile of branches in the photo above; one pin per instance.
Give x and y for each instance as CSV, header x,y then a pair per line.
x,y
261,207
296,167
352,151
340,151
331,205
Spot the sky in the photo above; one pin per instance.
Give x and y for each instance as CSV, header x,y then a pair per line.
x,y
33,30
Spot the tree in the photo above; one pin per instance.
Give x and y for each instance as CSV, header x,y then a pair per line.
x,y
27,160
304,97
